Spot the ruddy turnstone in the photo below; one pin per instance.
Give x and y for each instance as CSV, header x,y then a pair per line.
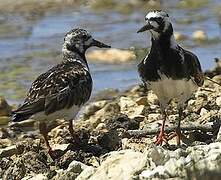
x,y
169,70
62,90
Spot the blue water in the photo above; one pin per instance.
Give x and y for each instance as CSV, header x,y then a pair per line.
x,y
117,29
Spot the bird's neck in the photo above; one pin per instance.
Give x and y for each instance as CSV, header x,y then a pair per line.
x,y
74,55
164,41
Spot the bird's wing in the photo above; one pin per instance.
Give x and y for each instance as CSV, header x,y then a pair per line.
x,y
61,87
194,67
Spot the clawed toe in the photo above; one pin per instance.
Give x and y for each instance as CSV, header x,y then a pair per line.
x,y
55,154
162,137
176,134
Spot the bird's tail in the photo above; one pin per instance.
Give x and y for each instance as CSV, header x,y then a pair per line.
x,y
16,117
209,79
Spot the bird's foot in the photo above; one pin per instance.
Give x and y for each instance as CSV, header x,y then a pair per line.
x,y
178,136
52,153
76,139
162,137
55,154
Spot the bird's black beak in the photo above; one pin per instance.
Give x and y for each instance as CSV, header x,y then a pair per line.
x,y
145,28
99,44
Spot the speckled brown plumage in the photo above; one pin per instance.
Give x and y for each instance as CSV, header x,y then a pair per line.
x,y
62,90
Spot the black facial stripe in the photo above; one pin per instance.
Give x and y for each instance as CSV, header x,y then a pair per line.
x,y
159,20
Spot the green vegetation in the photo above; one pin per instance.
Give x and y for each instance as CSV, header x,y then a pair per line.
x,y
193,4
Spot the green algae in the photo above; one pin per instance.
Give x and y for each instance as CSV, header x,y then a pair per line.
x,y
193,4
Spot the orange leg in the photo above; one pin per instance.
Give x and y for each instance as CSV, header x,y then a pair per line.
x,y
177,132
44,132
71,130
162,137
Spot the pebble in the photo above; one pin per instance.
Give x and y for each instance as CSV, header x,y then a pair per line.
x,y
142,101
200,35
5,109
111,56
179,37
4,120
218,101
154,116
152,98
8,151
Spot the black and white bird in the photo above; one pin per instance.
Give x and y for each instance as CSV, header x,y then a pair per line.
x,y
169,70
62,90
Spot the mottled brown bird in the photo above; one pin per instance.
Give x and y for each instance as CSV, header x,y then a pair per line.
x,y
64,89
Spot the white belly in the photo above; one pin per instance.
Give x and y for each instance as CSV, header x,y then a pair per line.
x,y
167,89
66,114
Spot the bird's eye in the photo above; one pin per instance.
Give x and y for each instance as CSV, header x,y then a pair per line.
x,y
158,20
84,36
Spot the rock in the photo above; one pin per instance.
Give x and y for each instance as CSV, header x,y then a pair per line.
x,y
4,120
179,37
4,133
29,163
111,56
129,106
199,35
62,147
86,173
153,3
158,155
101,126
36,177
200,159
152,98
154,117
218,101
93,107
72,172
123,164
106,94
66,159
139,118
216,71
159,172
142,101
76,166
8,151
174,167
5,142
15,171
219,135
5,109
136,145
102,115
203,112
122,121
126,103
109,140
137,111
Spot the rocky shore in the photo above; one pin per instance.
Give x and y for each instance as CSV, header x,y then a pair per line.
x,y
117,131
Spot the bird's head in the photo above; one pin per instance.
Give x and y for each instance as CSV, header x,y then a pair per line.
x,y
80,40
157,22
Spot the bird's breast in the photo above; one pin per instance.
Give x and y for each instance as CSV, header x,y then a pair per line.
x,y
167,88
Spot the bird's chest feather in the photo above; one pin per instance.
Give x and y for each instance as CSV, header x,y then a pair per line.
x,y
66,114
167,88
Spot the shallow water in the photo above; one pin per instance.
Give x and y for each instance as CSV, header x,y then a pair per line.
x,y
29,48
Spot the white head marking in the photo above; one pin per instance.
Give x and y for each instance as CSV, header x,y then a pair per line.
x,y
68,38
155,14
